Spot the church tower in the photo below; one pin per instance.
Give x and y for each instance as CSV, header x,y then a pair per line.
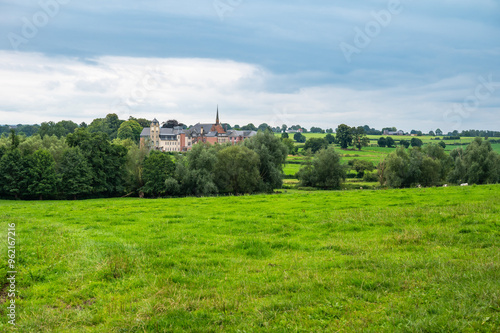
x,y
155,133
217,122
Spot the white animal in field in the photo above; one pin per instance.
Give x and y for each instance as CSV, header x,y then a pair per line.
x,y
445,185
464,184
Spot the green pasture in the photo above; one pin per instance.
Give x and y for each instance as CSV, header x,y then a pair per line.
x,y
496,147
415,260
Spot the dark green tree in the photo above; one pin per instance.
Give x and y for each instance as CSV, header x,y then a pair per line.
x,y
316,144
478,164
382,142
325,170
359,137
416,142
316,130
299,137
13,174
284,135
290,145
361,166
404,143
237,170
195,173
249,127
272,155
106,160
344,136
390,142
130,129
405,168
14,139
157,168
42,177
263,127
75,173
330,138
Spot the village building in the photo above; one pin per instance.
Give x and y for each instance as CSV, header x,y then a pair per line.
x,y
387,132
171,138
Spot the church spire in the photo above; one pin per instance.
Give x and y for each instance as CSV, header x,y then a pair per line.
x,y
217,119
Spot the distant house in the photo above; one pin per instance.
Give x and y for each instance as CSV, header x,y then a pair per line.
x,y
177,139
400,132
292,131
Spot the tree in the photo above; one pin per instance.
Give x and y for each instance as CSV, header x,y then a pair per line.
x,y
316,130
75,173
415,142
141,121
284,128
14,139
13,174
108,125
330,138
272,154
157,167
404,143
263,127
130,129
59,129
390,142
382,142
478,164
329,131
299,137
344,136
289,143
237,170
325,171
439,132
249,127
195,173
442,144
359,137
316,144
284,135
106,160
361,166
431,133
405,168
42,177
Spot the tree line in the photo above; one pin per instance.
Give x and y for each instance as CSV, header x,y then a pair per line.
x,y
427,166
90,165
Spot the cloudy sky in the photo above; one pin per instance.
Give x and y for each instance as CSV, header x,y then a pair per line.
x,y
409,64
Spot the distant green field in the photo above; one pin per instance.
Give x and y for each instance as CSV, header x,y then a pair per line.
x,y
417,260
496,147
371,154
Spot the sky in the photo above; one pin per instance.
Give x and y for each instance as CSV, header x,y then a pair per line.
x,y
409,64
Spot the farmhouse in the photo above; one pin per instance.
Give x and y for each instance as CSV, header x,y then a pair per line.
x,y
400,132
171,138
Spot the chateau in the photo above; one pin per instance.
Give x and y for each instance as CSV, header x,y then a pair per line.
x,y
171,138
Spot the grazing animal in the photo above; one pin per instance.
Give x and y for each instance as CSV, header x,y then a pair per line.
x,y
445,185
464,184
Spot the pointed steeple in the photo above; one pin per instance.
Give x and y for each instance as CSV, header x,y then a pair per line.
x,y
217,119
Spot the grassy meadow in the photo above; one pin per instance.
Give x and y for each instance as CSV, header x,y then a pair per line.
x,y
415,260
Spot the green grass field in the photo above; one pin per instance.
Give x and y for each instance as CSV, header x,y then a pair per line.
x,y
417,260
371,154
